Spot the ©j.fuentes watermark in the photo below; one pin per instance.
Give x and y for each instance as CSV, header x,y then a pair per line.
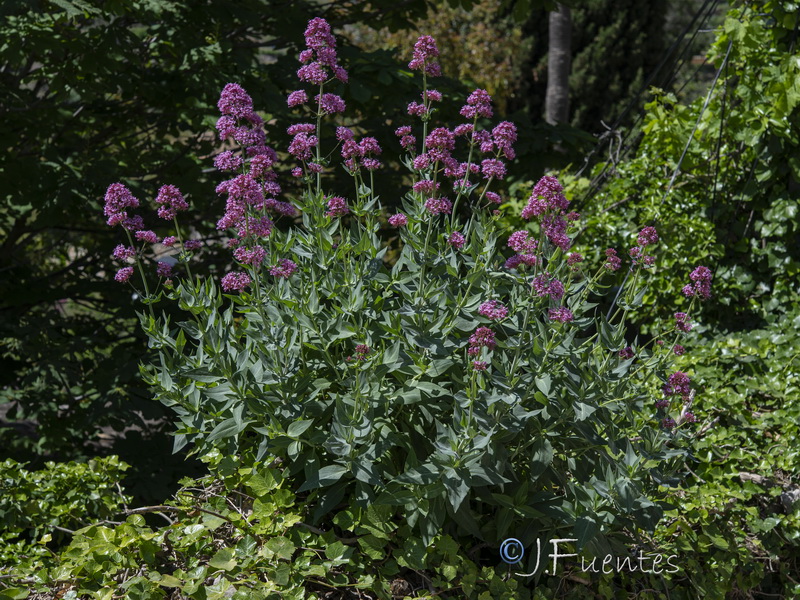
x,y
512,551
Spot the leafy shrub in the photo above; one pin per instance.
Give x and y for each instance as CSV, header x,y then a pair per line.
x,y
239,533
37,507
472,393
734,202
739,522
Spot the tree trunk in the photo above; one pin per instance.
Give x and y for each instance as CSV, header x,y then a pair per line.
x,y
559,61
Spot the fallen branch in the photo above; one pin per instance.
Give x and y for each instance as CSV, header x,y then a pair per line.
x,y
706,427
192,511
318,531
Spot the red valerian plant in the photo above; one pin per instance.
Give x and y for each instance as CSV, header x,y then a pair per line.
x,y
472,385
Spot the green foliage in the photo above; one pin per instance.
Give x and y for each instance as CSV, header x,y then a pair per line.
x,y
479,44
366,380
62,495
405,432
240,533
738,527
735,198
618,45
732,207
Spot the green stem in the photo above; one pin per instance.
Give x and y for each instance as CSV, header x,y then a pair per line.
x,y
183,252
319,137
466,174
141,273
427,108
424,259
518,351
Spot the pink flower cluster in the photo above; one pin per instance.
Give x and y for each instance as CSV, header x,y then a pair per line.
x,y
239,121
613,261
640,258
235,281
682,322
482,338
457,240
253,190
297,98
330,104
525,247
561,314
164,270
253,256
494,310
438,206
284,269
251,194
303,141
426,187
415,109
124,252
646,237
170,201
243,191
520,259
147,236
548,202
493,168
424,57
479,104
255,227
701,284
123,274
546,284
503,136
398,220
228,161
521,242
119,198
407,140
678,384
440,142
337,207
358,154
362,351
573,260
320,56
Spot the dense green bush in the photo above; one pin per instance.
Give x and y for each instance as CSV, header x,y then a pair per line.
x,y
240,533
738,527
734,200
39,506
733,523
460,390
